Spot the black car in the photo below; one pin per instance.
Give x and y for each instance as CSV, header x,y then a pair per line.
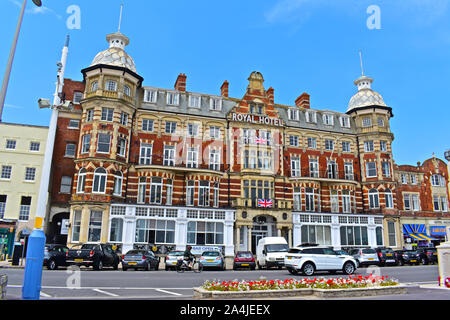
x,y
55,256
428,255
140,259
387,256
95,255
408,257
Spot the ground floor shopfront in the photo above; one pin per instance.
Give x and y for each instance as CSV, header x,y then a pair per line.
x,y
135,226
339,231
423,231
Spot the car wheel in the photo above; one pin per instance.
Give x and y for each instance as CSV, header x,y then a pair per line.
x,y
124,268
252,268
157,266
234,267
308,269
51,265
401,263
116,265
349,268
148,267
293,271
98,265
424,261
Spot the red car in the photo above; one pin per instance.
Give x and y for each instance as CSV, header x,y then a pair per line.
x,y
244,259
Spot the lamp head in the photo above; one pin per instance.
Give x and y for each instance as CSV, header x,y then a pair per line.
x,y
37,2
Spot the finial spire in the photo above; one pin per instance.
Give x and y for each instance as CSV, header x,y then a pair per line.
x,y
361,61
120,17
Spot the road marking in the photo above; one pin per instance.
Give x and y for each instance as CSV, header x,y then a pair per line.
x,y
106,292
169,292
43,294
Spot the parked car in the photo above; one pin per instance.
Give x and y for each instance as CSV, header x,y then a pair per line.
x,y
244,259
387,256
270,252
140,259
172,258
212,259
308,260
95,255
427,255
365,257
408,257
341,252
55,256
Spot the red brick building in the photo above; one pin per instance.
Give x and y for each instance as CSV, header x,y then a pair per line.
x,y
173,167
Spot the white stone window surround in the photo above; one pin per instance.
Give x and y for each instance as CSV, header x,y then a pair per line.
x,y
227,217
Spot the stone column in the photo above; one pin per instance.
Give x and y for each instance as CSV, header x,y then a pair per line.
x,y
249,243
238,238
278,232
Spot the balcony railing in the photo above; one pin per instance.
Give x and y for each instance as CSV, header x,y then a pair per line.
x,y
323,174
158,160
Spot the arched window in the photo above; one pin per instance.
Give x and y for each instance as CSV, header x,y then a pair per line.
x,y
100,176
118,180
81,184
127,90
389,199
374,202
94,86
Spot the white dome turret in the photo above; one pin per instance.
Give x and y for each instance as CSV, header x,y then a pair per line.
x,y
365,97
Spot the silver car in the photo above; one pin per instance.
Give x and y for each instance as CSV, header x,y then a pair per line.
x,y
172,258
365,257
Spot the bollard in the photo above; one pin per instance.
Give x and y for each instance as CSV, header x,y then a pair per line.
x,y
3,285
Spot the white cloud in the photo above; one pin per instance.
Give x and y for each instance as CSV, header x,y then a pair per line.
x,y
36,10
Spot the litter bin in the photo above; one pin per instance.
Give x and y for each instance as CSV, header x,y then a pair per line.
x,y
17,255
3,284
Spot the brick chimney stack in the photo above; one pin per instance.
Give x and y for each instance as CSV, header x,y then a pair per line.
x,y
224,89
271,95
303,101
180,84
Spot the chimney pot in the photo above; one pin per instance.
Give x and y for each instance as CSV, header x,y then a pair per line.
x,y
180,84
303,101
224,89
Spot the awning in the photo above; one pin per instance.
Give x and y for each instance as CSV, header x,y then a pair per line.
x,y
417,232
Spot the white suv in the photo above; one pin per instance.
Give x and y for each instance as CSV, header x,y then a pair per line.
x,y
308,260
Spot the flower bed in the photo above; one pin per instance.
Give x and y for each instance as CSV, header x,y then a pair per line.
x,y
317,283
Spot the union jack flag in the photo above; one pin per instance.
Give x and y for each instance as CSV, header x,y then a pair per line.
x,y
265,203
259,140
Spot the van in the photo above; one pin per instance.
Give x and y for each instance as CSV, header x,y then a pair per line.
x,y
270,252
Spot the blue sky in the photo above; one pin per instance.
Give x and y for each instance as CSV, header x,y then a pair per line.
x,y
298,45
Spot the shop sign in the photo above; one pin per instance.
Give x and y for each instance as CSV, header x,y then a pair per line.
x,y
240,117
438,231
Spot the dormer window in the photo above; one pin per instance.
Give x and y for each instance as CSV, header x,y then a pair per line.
x,y
215,104
172,98
345,122
328,119
194,101
311,116
150,96
111,85
294,114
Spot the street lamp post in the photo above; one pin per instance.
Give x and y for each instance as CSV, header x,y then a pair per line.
x,y
11,56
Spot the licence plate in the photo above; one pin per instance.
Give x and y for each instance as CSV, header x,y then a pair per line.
x,y
434,254
132,263
289,258
390,261
413,260
210,260
389,254
78,259
370,259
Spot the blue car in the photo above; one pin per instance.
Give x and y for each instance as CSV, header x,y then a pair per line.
x,y
212,259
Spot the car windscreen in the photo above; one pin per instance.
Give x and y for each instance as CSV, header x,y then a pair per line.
x,y
176,253
387,251
369,251
276,248
90,246
133,252
210,254
244,255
